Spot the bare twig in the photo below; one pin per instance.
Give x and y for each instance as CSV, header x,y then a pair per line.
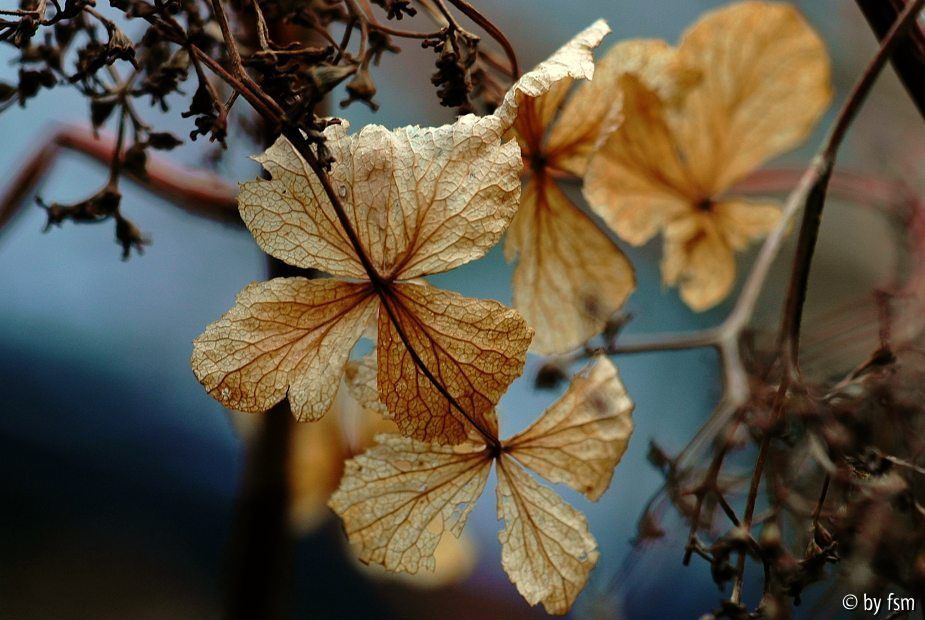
x,y
816,184
808,196
816,195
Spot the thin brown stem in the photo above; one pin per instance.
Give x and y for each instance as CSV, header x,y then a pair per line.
x,y
360,18
386,297
265,106
752,498
230,44
447,15
817,511
485,24
234,55
116,165
647,343
263,32
815,201
708,485
204,195
434,13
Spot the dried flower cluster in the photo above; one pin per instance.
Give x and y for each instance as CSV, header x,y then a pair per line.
x,y
146,52
415,202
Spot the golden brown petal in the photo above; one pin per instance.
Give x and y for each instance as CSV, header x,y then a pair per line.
x,y
581,438
570,277
636,181
473,348
290,217
315,468
288,335
699,260
593,110
454,560
574,60
397,499
546,548
766,81
742,221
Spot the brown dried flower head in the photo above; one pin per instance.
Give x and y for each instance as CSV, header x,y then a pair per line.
x,y
417,201
399,498
764,81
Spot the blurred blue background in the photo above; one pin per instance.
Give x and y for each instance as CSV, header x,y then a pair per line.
x,y
119,472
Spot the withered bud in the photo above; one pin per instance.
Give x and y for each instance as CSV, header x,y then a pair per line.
x,y
120,47
129,237
100,109
30,82
550,376
100,206
396,9
326,77
361,88
163,140
457,51
770,539
135,159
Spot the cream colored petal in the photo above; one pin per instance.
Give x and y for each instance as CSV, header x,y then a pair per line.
x,y
570,278
592,111
421,200
636,181
473,348
288,335
546,548
547,105
699,260
315,466
289,215
360,375
534,115
454,560
452,194
742,221
397,499
766,82
370,416
581,438
427,199
316,463
574,60
365,427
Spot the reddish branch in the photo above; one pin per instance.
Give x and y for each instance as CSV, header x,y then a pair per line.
x,y
200,193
